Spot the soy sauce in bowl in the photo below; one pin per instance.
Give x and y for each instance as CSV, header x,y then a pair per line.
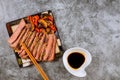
x,y
76,59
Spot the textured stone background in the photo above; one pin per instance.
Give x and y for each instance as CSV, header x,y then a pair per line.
x,y
91,24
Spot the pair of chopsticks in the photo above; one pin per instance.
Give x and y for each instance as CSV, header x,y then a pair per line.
x,y
39,68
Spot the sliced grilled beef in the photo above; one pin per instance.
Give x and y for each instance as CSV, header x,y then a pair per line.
x,y
42,52
36,46
15,44
39,47
31,38
17,32
25,35
34,42
49,47
52,53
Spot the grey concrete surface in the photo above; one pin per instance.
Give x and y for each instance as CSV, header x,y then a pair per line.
x,y
90,24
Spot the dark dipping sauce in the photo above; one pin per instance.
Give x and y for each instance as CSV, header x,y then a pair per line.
x,y
76,59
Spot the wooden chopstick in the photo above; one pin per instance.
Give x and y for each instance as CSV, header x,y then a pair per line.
x,y
39,68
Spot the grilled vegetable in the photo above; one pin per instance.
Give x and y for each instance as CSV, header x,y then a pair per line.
x,y
43,22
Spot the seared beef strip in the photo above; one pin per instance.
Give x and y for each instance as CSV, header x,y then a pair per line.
x,y
31,39
36,46
49,47
25,36
15,44
17,32
26,42
28,37
52,53
39,47
42,52
34,42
